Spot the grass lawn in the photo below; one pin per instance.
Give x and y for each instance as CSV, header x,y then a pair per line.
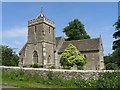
x,y
28,81
24,84
0,76
25,80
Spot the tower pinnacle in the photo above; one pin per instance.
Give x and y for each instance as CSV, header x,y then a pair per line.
x,y
41,15
41,10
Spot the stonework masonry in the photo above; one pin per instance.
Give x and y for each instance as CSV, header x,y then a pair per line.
x,y
43,48
66,74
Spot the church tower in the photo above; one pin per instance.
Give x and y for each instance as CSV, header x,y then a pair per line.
x,y
39,48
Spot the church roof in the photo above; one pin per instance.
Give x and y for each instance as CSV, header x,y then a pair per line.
x,y
82,45
23,49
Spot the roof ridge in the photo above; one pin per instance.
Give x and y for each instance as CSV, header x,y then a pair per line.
x,y
83,39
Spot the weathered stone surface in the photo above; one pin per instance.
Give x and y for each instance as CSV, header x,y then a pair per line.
x,y
66,74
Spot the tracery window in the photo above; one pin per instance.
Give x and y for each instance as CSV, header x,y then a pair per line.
x,y
35,57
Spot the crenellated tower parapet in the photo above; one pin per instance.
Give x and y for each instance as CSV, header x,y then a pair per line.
x,y
41,19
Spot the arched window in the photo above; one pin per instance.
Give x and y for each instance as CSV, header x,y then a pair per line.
x,y
85,56
35,57
35,29
49,57
22,60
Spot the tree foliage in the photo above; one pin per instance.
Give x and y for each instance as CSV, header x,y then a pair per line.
x,y
113,60
116,56
111,66
71,56
116,35
116,43
75,31
9,57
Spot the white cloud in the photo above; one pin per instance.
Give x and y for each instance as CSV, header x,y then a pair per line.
x,y
14,32
15,37
18,43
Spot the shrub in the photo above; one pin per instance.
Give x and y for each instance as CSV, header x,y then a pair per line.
x,y
80,67
71,56
109,80
52,67
106,80
66,67
111,66
50,75
24,66
36,66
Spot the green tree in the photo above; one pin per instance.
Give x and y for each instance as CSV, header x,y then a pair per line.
x,y
116,56
111,66
113,60
71,56
9,57
116,35
108,59
75,31
116,43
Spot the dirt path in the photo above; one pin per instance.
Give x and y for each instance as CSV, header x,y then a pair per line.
x,y
5,87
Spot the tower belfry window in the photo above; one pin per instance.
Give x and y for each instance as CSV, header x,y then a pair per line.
x,y
49,29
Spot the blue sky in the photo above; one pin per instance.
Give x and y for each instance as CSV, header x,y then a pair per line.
x,y
98,18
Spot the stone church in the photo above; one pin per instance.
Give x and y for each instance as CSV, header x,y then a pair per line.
x,y
43,48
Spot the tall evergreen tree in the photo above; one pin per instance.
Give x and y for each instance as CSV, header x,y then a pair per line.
x,y
75,31
113,60
116,35
116,43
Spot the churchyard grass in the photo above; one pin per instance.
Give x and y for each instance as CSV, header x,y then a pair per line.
x,y
0,77
25,80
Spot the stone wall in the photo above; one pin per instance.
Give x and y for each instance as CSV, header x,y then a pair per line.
x,y
92,60
28,57
66,74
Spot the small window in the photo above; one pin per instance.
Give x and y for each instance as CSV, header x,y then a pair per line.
x,y
49,57
96,67
102,61
22,60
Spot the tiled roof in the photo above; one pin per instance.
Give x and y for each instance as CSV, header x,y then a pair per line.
x,y
82,45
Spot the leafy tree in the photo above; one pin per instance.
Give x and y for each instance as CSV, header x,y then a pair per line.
x,y
9,57
116,35
116,43
113,61
75,31
111,66
108,59
116,56
71,56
